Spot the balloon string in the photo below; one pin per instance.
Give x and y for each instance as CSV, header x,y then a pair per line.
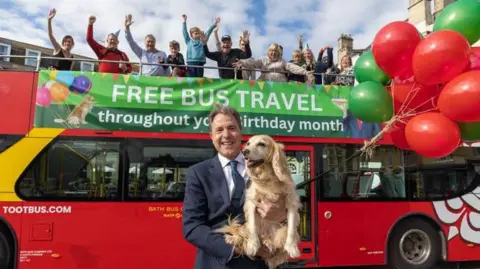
x,y
369,146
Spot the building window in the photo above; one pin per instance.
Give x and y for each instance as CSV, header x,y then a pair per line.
x,y
32,53
86,66
5,49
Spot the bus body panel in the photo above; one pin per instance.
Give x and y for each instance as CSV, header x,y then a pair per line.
x,y
17,92
126,235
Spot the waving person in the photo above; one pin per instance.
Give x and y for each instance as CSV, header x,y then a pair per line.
x,y
227,56
274,67
150,55
60,51
110,52
195,53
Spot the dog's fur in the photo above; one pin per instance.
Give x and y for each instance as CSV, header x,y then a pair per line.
x,y
271,180
80,112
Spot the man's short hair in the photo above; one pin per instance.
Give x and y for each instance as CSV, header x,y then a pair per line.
x,y
226,110
150,36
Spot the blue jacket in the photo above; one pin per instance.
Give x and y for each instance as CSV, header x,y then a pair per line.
x,y
321,67
366,130
206,207
195,47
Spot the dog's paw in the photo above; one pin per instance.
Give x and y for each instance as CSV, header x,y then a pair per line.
x,y
253,244
292,250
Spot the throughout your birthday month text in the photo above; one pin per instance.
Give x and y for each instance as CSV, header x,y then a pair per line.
x,y
201,122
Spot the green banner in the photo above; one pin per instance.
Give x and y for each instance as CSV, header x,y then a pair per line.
x,y
101,101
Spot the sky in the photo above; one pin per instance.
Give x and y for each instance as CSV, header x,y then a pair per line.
x,y
321,22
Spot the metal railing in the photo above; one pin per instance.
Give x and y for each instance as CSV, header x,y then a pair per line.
x,y
141,64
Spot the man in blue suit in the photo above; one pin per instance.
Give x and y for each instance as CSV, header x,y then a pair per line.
x,y
214,191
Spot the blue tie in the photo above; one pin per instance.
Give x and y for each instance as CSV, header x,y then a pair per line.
x,y
239,185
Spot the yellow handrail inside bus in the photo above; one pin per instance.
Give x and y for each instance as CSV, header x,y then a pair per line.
x,y
19,156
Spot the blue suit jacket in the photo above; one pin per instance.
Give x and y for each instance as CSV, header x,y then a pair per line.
x,y
205,208
368,129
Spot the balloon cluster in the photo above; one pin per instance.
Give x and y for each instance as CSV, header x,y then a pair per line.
x,y
59,87
426,88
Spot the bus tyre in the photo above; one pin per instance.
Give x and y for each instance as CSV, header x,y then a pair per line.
x,y
4,251
414,244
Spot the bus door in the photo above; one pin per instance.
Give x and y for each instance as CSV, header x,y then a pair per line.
x,y
301,162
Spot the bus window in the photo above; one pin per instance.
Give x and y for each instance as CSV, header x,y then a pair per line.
x,y
299,164
157,170
441,178
380,177
73,170
8,140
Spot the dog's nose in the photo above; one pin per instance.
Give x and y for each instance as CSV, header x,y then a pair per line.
x,y
246,152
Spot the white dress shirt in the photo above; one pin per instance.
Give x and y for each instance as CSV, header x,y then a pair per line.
x,y
227,170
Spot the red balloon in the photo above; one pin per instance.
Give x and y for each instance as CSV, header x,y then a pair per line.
x,y
440,57
413,95
432,135
475,59
460,98
397,134
393,48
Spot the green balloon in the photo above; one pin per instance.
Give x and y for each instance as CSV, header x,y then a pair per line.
x,y
370,101
469,130
462,16
366,69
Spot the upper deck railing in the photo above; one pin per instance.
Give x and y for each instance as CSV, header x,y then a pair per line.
x,y
39,58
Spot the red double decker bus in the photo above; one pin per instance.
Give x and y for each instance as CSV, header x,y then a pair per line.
x,y
106,190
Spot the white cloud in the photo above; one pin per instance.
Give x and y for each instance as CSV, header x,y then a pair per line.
x,y
322,21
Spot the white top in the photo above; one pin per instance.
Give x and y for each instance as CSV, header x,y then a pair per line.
x,y
227,170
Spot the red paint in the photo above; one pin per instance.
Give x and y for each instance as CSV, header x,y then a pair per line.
x,y
123,235
17,96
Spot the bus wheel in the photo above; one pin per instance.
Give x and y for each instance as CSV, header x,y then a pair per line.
x,y
4,251
414,244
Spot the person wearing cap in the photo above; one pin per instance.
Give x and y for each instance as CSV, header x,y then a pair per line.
x,y
110,52
227,56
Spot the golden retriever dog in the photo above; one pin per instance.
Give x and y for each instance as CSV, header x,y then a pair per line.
x,y
270,180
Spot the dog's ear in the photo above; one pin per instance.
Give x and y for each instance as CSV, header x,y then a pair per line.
x,y
279,163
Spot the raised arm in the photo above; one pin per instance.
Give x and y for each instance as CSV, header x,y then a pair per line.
x,y
128,35
209,31
329,57
56,46
214,56
186,35
97,48
320,55
194,222
248,51
217,39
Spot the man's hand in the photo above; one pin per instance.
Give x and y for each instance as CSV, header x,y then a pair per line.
x,y
184,16
91,20
128,21
123,67
245,37
272,211
203,38
217,20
